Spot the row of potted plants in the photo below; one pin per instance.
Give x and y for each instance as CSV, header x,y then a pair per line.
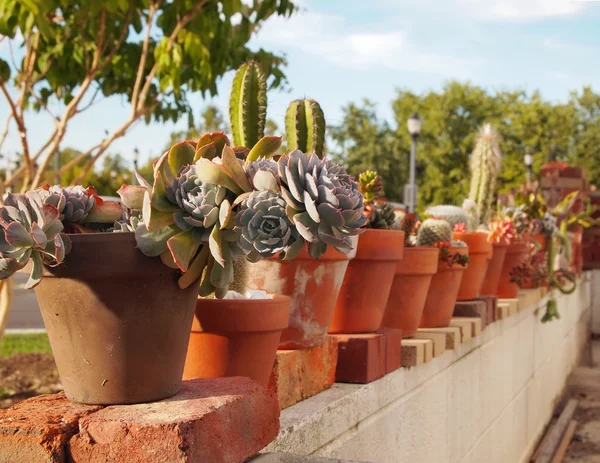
x,y
236,250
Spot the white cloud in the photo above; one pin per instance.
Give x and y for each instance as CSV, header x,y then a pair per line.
x,y
330,38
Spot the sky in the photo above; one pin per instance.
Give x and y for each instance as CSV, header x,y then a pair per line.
x,y
340,51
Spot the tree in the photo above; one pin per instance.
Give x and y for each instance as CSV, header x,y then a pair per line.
x,y
152,53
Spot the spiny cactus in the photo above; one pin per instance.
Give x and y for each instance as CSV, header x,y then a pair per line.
x,y
485,167
248,105
370,185
454,215
433,231
470,207
381,216
305,127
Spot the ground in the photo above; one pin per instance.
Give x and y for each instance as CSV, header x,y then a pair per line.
x,y
26,368
584,385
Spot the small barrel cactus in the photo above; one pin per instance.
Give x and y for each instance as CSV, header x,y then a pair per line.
x,y
433,231
323,201
305,127
485,168
248,105
381,216
454,215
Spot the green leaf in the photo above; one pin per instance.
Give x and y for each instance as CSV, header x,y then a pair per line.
x,y
209,172
181,154
183,247
154,243
216,246
265,148
37,271
4,70
234,169
196,268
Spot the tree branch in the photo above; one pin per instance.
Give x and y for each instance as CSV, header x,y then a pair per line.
x,y
184,21
143,58
4,133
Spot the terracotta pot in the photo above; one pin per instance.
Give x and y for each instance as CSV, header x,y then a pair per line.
x,y
368,281
117,320
236,337
494,270
409,289
442,294
313,286
480,253
516,254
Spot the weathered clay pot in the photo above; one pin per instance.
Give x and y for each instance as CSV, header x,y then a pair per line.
x,y
313,286
117,320
516,254
368,281
480,253
494,270
409,289
443,291
236,337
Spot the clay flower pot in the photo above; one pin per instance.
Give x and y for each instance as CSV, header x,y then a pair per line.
x,y
313,286
516,254
117,320
236,337
443,291
409,289
494,270
480,253
368,281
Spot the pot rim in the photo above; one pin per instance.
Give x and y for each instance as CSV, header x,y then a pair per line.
x,y
375,239
241,315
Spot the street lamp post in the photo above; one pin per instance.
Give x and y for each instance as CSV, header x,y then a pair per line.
x,y
410,190
528,159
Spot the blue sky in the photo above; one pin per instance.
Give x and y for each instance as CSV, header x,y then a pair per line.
x,y
345,50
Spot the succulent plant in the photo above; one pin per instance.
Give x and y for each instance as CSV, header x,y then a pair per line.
x,y
73,202
408,224
263,174
323,201
305,127
263,228
381,216
485,168
371,186
454,215
434,231
248,105
30,230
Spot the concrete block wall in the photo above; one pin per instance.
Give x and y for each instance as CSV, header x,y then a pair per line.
x,y
489,400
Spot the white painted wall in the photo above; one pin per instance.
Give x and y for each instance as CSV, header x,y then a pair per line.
x,y
487,401
595,301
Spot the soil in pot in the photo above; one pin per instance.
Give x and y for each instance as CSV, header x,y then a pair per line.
x,y
236,337
409,289
313,286
516,254
117,321
494,270
443,291
368,281
480,253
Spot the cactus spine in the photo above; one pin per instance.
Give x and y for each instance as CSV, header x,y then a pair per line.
x,y
305,127
248,105
433,231
485,168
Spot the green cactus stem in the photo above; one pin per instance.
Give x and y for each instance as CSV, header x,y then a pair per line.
x,y
485,168
305,127
248,105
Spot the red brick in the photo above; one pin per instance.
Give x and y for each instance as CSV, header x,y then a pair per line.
x,y
37,430
302,373
393,348
361,357
212,420
474,308
223,419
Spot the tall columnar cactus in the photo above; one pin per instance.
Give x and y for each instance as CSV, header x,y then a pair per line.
x,y
454,215
485,168
305,127
433,231
248,105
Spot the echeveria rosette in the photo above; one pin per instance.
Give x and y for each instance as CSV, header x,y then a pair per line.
x,y
264,229
323,201
31,230
189,212
73,202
